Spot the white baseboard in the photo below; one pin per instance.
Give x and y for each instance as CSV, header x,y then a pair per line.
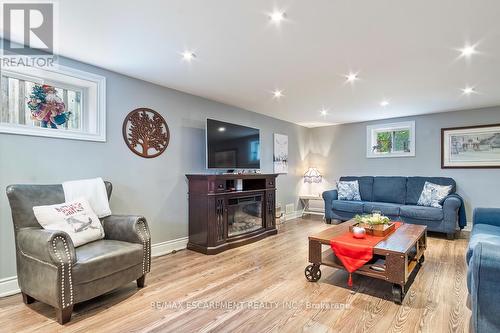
x,y
9,286
160,249
293,215
468,226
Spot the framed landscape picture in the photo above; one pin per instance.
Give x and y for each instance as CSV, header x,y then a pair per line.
x,y
470,147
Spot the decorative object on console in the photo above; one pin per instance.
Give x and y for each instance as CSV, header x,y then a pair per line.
x,y
280,156
348,190
470,147
433,195
312,175
146,133
47,107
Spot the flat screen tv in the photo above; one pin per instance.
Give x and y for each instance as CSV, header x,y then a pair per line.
x,y
231,146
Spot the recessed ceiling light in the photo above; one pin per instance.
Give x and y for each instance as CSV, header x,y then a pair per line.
x,y
188,55
323,112
467,51
468,90
278,94
351,77
277,16
384,103
222,129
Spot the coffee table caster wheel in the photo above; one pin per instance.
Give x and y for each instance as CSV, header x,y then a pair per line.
x,y
398,294
312,273
422,259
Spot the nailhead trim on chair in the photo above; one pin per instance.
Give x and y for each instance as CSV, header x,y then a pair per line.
x,y
70,282
145,242
148,262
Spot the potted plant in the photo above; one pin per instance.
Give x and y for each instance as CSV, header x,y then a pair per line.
x,y
375,221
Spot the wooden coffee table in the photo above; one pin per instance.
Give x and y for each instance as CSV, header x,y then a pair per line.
x,y
402,252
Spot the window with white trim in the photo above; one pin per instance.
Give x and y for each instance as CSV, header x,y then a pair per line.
x,y
391,140
61,102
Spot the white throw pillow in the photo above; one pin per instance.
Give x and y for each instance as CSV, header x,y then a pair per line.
x,y
433,195
93,190
348,190
75,218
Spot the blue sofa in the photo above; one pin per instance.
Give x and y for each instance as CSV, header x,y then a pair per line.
x,y
397,197
483,260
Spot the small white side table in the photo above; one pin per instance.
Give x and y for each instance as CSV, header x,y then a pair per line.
x,y
305,199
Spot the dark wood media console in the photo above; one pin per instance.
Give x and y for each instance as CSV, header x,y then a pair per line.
x,y
229,210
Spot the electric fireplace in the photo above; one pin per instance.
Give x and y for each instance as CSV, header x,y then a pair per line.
x,y
230,210
244,214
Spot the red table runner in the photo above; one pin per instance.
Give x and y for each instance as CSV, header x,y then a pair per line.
x,y
355,252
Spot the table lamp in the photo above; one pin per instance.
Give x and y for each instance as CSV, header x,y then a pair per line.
x,y
312,175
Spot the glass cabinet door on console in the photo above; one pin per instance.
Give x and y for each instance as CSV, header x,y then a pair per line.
x,y
220,220
244,215
270,210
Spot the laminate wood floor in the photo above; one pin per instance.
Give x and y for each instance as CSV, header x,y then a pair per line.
x,y
261,288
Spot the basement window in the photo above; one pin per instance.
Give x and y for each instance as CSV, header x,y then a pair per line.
x,y
61,103
391,140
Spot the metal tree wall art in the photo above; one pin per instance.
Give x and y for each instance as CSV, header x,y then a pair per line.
x,y
146,133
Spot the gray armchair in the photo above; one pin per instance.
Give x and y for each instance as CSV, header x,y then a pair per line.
x,y
51,270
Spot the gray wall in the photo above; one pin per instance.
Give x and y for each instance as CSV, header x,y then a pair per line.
x,y
155,188
341,150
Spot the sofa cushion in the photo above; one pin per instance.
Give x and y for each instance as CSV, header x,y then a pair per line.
x,y
482,233
422,212
383,207
389,189
433,195
365,186
348,206
348,190
105,257
415,185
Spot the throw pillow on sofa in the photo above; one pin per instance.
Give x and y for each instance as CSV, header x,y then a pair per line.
x,y
433,195
348,190
76,218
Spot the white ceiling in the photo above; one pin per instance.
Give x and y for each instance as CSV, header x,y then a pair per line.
x,y
405,51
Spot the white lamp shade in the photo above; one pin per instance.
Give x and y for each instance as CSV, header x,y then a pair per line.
x,y
312,175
